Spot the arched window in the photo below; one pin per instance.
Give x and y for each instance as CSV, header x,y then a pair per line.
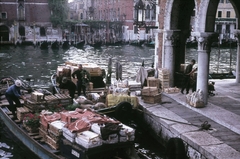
x,y
42,31
81,15
21,30
153,12
147,15
21,15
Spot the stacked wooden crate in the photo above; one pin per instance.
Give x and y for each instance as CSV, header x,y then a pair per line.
x,y
150,94
36,102
64,100
21,112
163,76
54,134
51,101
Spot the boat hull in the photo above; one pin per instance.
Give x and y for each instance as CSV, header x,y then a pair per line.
x,y
22,135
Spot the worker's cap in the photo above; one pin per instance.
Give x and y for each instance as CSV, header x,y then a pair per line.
x,y
18,83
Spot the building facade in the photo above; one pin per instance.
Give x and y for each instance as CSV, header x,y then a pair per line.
x,y
225,22
117,11
26,20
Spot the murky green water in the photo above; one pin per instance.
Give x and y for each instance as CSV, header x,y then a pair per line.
x,y
30,62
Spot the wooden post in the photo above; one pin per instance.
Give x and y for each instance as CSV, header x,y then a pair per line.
x,y
109,74
118,71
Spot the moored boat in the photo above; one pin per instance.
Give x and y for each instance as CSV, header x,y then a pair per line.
x,y
79,133
80,44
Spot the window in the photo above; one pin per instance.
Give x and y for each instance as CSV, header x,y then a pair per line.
x,y
219,28
147,16
219,14
221,1
3,15
228,14
227,1
227,28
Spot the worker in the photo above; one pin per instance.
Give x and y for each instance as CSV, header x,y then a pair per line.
x,y
13,94
69,85
83,77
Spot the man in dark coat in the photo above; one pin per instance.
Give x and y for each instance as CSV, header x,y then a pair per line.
x,y
13,94
68,84
83,77
187,77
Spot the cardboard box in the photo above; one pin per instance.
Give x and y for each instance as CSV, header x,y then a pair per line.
x,y
149,91
56,127
153,99
37,96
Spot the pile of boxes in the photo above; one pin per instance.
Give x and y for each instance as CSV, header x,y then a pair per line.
x,y
163,76
151,94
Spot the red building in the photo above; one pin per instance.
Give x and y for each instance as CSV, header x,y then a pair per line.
x,y
25,20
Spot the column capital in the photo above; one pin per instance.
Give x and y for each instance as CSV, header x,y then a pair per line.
x,y
205,39
172,36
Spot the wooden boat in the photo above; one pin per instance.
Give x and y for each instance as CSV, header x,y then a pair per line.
x,y
55,45
150,44
66,148
137,42
44,45
117,43
119,104
96,44
66,45
80,44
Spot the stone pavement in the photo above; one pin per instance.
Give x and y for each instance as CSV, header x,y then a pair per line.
x,y
178,119
222,112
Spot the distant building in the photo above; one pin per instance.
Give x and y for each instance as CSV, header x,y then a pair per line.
x,y
26,20
225,20
116,11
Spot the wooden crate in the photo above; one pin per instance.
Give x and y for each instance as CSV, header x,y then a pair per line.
x,y
171,90
153,82
165,84
21,111
52,143
149,91
51,100
163,77
34,106
152,99
43,134
163,71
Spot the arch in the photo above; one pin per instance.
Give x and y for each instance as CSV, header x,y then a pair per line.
x,y
236,6
42,31
21,30
4,33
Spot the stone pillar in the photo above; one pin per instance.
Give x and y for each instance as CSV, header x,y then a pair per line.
x,y
171,39
237,35
204,49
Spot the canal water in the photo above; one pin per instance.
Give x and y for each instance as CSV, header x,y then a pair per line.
x,y
38,65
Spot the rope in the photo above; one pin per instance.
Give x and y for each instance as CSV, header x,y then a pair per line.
x,y
204,126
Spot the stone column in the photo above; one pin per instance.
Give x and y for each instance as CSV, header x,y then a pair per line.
x,y
204,49
171,39
237,35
